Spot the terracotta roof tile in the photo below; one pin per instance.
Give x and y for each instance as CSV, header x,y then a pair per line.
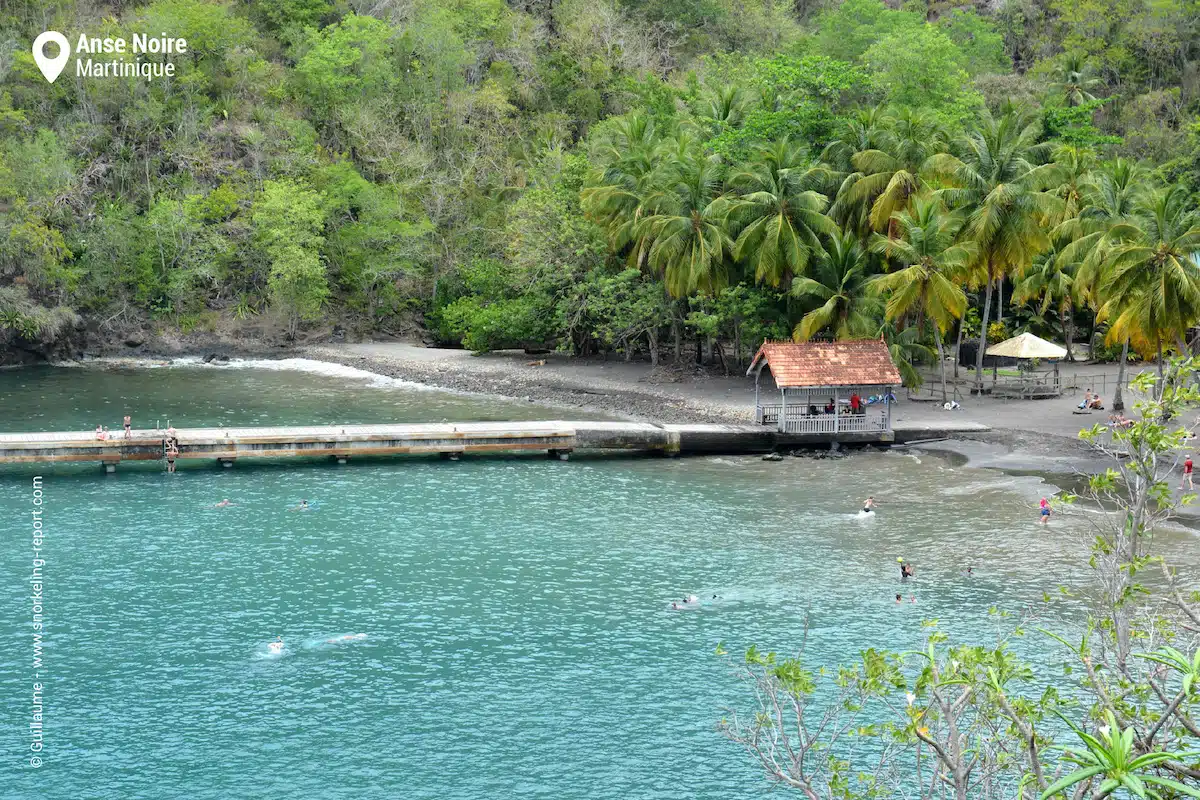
x,y
861,362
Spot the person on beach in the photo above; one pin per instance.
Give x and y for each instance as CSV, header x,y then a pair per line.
x,y
1087,401
869,505
1187,474
1045,510
128,427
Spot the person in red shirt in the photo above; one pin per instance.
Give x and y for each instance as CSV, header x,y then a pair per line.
x,y
855,402
1187,474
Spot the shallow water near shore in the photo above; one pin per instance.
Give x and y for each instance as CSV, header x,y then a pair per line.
x,y
519,640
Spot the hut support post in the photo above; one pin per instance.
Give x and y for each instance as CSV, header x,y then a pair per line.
x,y
837,409
782,427
887,413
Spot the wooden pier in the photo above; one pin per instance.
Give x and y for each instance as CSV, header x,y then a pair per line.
x,y
342,442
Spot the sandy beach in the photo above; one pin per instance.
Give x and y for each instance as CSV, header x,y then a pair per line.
x,y
1025,435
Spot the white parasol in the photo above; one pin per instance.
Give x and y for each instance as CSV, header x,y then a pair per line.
x,y
1026,346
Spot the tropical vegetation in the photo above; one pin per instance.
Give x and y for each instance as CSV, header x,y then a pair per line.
x,y
610,175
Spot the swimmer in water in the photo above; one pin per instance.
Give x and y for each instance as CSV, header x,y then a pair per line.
x,y
1045,510
277,645
912,598
223,504
302,507
675,606
691,598
869,505
349,637
899,599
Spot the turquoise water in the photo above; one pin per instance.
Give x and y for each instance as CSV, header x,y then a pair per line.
x,y
519,640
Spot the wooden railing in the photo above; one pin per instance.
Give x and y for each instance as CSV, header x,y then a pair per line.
x,y
797,420
768,414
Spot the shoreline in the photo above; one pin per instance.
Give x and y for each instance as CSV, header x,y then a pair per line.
x,y
1022,439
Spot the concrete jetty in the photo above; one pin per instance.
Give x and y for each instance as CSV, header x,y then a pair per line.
x,y
342,442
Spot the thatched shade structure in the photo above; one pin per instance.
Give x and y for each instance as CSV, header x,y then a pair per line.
x,y
1026,346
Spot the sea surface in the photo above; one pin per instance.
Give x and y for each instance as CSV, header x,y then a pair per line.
x,y
513,635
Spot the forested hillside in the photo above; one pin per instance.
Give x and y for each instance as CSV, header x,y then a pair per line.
x,y
590,175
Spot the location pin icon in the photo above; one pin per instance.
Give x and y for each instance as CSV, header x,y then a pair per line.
x,y
51,67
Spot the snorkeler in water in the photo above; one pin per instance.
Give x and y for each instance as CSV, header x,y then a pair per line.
x,y
304,506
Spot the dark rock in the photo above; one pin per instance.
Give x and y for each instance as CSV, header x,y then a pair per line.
x,y
135,341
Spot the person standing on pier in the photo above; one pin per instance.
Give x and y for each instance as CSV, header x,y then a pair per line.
x,y
128,427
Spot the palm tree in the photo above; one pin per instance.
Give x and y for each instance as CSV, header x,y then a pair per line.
x,y
905,348
1109,195
779,212
996,175
838,290
1051,284
1074,80
889,175
1151,277
723,106
619,187
687,241
929,283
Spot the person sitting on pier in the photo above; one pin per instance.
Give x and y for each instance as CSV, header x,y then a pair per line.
x,y
100,433
1097,404
829,407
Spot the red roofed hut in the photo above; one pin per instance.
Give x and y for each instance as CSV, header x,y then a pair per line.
x,y
826,387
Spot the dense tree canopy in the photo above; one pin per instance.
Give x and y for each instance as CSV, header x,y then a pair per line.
x,y
507,174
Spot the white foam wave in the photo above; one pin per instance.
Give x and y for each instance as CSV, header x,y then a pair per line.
x,y
311,366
